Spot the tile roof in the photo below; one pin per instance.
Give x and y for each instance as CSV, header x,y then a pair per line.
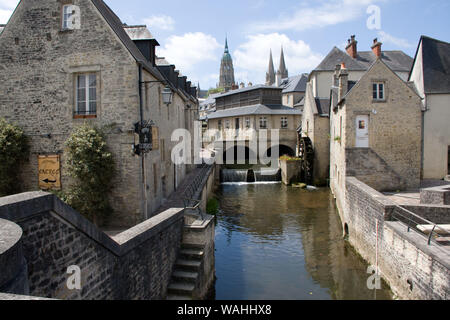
x,y
436,65
249,88
395,60
258,109
295,84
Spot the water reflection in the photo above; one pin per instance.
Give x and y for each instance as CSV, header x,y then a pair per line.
x,y
276,242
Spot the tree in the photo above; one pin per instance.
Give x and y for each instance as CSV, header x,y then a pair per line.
x,y
14,151
92,166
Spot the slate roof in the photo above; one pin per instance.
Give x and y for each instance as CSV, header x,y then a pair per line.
x,y
295,84
436,65
138,32
395,60
116,24
323,106
249,88
258,109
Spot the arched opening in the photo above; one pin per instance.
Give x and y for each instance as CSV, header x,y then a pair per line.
x,y
238,155
283,151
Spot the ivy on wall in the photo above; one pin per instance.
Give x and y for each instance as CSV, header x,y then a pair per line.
x,y
14,151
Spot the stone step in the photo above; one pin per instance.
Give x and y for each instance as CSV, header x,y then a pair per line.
x,y
187,265
185,276
192,246
178,297
191,254
181,288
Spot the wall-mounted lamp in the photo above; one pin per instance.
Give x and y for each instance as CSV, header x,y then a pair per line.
x,y
167,93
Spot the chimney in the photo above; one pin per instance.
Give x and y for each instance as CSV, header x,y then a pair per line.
x,y
278,79
343,82
351,48
336,76
376,48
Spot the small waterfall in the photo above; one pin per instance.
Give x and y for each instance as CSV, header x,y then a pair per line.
x,y
230,175
263,175
268,175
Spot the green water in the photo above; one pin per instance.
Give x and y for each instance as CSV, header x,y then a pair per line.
x,y
277,242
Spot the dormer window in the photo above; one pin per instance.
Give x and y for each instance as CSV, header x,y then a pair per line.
x,y
378,91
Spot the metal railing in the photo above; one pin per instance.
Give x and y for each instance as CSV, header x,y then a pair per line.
x,y
189,199
413,221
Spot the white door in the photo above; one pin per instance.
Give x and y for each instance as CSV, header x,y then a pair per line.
x,y
362,131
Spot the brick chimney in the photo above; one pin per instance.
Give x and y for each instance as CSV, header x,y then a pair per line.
x,y
343,82
336,76
351,48
376,48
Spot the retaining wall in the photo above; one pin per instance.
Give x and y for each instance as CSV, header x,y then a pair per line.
x,y
413,269
136,265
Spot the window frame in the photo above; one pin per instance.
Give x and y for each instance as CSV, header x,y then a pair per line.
x,y
87,113
284,122
261,121
378,88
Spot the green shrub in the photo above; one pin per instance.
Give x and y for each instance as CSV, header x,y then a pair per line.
x,y
212,206
14,151
92,166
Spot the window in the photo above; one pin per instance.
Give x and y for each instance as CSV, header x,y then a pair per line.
x,y
378,91
219,124
70,17
448,160
247,123
284,122
227,124
263,123
86,95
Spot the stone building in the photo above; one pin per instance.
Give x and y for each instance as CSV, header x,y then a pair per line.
x,y
64,63
375,131
315,120
431,75
226,80
294,89
242,113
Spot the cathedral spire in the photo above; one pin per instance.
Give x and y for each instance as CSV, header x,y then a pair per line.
x,y
282,72
226,80
270,75
282,69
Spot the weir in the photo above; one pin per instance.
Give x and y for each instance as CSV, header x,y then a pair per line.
x,y
250,175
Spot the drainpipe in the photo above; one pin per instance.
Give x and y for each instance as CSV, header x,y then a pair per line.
x,y
422,155
143,175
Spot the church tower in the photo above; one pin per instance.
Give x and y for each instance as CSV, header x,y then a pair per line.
x,y
226,70
270,75
282,72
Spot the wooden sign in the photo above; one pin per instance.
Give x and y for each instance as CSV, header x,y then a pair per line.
x,y
155,138
49,172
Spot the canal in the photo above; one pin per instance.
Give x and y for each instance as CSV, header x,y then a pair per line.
x,y
278,242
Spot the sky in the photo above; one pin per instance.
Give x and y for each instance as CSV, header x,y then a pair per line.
x,y
192,33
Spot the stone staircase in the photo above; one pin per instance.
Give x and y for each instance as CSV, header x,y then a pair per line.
x,y
185,275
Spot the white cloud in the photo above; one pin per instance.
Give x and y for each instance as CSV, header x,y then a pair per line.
x,y
190,49
162,22
6,9
387,38
4,16
327,13
251,59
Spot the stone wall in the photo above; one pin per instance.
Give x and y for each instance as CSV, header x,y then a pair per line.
x,y
290,171
39,64
413,269
136,265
